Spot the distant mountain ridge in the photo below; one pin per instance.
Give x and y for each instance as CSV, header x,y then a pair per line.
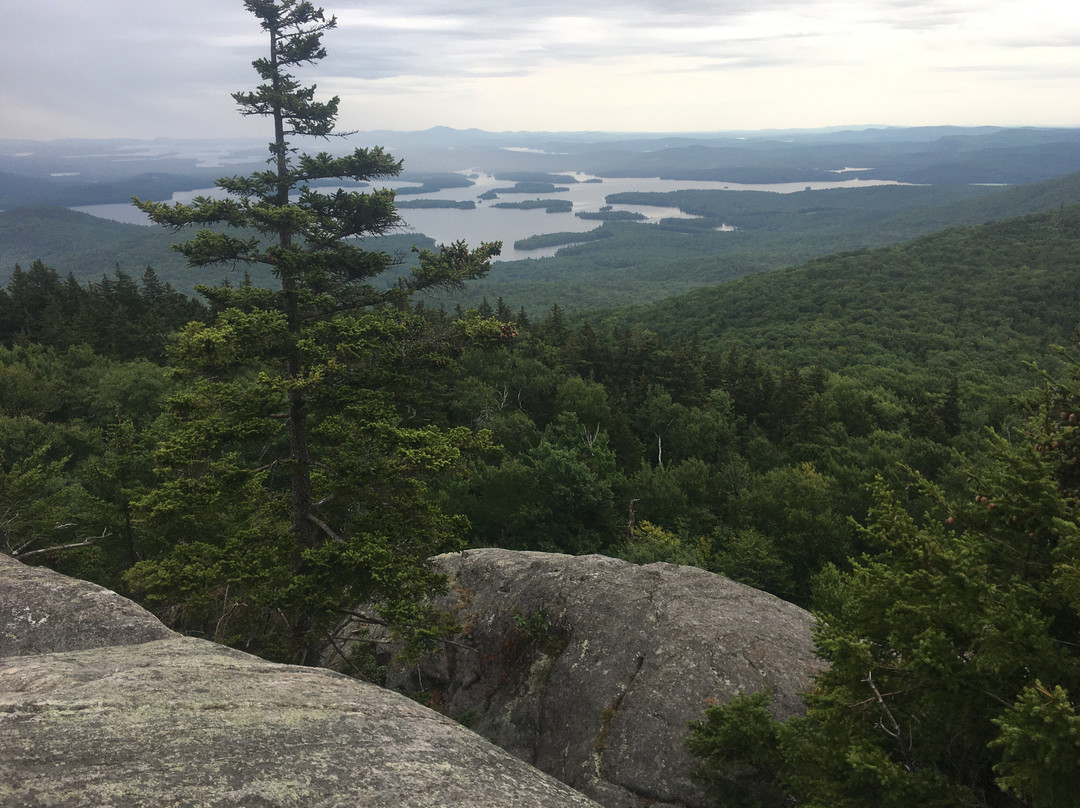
x,y
81,172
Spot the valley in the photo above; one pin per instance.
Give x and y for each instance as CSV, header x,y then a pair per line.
x,y
714,207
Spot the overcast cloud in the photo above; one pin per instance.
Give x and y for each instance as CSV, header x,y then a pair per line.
x,y
148,68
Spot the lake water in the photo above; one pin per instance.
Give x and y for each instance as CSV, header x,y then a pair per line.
x,y
488,223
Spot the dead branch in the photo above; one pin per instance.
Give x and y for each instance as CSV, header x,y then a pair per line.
x,y
325,528
376,621
58,547
55,548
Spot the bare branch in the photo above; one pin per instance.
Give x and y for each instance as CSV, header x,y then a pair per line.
x,y
58,547
325,528
895,732
344,658
363,618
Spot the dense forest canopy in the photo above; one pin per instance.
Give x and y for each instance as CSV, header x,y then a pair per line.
x,y
879,427
756,450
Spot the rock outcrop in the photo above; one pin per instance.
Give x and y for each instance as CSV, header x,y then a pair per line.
x,y
101,705
590,667
42,611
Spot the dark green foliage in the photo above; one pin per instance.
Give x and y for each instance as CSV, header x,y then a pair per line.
x,y
430,183
705,441
611,215
950,647
558,239
117,316
420,204
547,205
527,188
935,305
739,748
538,177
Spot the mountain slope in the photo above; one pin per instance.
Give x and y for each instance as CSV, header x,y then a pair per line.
x,y
88,247
995,294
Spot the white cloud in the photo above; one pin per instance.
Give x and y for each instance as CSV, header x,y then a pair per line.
x,y
138,68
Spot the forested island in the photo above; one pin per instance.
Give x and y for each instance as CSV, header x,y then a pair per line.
x,y
865,402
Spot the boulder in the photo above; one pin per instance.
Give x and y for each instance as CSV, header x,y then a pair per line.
x,y
43,611
149,718
590,668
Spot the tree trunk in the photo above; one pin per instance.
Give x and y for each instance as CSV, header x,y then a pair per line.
x,y
299,451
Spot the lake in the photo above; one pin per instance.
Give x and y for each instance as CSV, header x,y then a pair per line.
x,y
488,223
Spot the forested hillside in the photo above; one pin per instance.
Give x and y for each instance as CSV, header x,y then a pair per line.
x,y
700,410
89,247
943,302
619,263
622,263
740,428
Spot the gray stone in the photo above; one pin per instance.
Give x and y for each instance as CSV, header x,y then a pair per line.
x,y
590,668
183,722
42,611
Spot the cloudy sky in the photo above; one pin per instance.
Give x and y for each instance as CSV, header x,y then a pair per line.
x,y
151,68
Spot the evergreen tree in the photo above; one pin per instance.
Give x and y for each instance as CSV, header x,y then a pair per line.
x,y
321,355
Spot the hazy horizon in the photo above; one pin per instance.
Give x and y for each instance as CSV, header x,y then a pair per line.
x,y
134,69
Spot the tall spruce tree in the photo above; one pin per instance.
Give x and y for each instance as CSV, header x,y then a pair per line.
x,y
319,355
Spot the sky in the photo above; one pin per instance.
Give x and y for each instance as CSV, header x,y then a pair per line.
x,y
150,68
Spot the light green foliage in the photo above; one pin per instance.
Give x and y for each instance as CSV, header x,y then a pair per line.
x,y
38,505
648,543
73,455
754,558
586,400
679,432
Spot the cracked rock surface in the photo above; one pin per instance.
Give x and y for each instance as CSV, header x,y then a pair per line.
x,y
590,667
149,718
